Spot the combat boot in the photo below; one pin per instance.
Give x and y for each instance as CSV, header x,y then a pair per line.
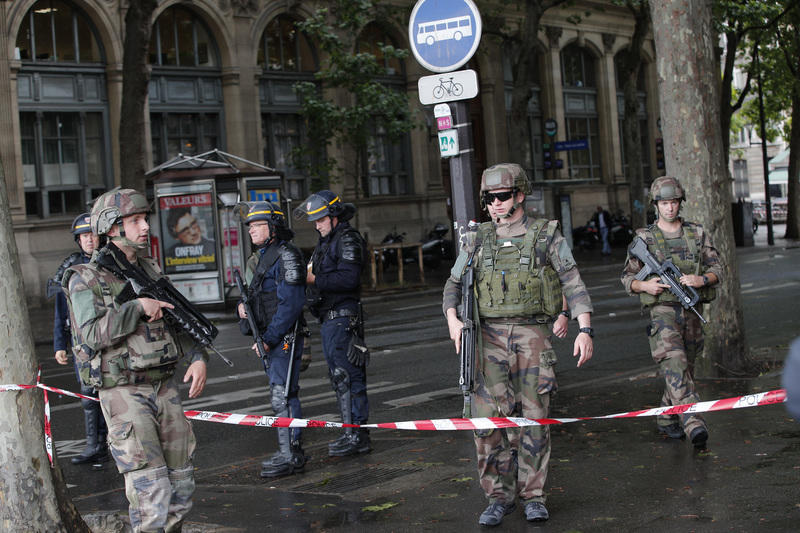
x,y
286,460
341,446
91,453
699,437
673,431
356,442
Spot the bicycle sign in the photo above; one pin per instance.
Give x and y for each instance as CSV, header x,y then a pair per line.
x,y
444,34
459,85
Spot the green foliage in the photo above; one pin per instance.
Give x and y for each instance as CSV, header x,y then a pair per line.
x,y
758,23
369,105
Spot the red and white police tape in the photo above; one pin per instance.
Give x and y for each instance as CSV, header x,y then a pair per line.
x,y
441,424
449,424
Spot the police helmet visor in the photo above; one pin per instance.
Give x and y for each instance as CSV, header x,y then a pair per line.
x,y
315,207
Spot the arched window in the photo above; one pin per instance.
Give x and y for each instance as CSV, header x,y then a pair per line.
x,y
63,109
285,49
580,111
642,114
388,161
286,57
185,90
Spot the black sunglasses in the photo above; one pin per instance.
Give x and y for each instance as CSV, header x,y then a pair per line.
x,y
489,197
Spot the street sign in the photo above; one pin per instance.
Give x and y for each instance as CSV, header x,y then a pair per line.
x,y
550,127
443,116
442,110
448,143
580,144
449,87
444,33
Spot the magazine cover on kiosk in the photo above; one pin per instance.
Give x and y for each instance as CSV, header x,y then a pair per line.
x,y
187,221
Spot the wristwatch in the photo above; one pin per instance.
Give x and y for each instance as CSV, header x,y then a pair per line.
x,y
565,313
588,331
705,280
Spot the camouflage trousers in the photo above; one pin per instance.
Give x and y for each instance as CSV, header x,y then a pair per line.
x,y
152,443
515,377
676,338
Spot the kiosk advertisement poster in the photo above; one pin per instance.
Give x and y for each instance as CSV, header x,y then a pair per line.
x,y
187,230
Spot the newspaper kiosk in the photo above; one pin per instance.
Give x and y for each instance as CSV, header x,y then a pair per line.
x,y
196,236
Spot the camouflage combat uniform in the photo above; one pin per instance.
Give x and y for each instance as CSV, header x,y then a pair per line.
x,y
675,333
131,362
515,369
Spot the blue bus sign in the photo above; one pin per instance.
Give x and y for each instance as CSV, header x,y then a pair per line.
x,y
444,34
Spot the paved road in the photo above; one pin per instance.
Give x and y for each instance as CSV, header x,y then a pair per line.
x,y
426,480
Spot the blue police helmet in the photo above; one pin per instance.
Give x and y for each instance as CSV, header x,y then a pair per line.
x,y
322,204
82,224
253,211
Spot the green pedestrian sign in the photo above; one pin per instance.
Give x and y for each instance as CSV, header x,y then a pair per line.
x,y
448,143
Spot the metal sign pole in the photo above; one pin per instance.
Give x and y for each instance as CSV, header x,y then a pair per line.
x,y
462,174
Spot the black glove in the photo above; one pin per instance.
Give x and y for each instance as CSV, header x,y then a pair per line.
x,y
357,351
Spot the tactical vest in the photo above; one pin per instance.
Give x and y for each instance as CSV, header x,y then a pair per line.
x,y
147,354
691,264
513,276
264,304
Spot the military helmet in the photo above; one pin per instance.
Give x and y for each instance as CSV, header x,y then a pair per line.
x,y
82,224
253,211
505,176
666,188
322,204
110,207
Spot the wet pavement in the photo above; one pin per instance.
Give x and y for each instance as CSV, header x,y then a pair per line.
x,y
605,475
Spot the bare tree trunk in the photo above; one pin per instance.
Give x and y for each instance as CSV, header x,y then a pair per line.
x,y
32,494
135,80
631,133
524,65
793,207
689,96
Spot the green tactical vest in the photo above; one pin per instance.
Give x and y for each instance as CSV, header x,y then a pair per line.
x,y
690,265
146,355
513,276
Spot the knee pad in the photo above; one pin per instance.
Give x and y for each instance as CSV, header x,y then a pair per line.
x,y
340,379
278,400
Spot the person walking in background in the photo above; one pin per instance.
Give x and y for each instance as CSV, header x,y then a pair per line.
x,y
603,222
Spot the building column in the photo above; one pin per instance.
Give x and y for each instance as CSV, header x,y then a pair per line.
x,y
114,95
10,148
608,123
553,92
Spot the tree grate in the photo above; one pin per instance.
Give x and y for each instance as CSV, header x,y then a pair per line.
x,y
360,479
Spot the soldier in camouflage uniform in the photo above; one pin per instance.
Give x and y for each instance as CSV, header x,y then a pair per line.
x,y
524,269
126,350
675,333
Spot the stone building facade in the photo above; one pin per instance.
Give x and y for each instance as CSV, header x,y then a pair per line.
x,y
222,72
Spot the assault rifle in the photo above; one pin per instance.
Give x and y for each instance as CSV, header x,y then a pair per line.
x,y
469,336
251,320
183,316
668,273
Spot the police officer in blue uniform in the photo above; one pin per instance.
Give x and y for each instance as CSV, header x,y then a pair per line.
x,y
333,293
276,281
96,449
